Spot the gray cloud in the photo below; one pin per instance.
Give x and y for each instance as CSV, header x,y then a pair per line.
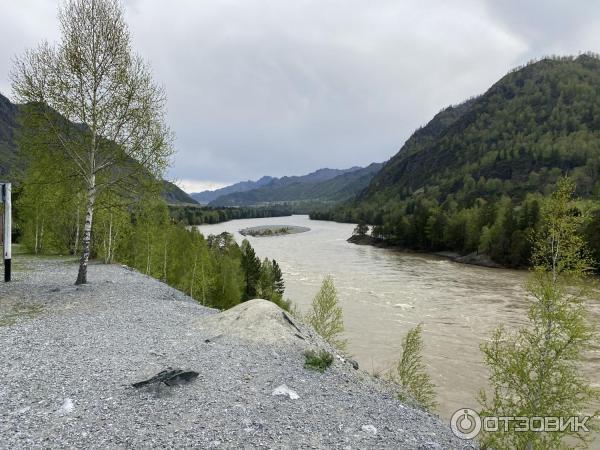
x,y
278,87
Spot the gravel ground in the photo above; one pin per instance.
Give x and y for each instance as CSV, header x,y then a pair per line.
x,y
69,355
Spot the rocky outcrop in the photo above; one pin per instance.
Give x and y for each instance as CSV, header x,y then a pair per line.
x,y
261,322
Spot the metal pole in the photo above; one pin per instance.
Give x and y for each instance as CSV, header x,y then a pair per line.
x,y
7,230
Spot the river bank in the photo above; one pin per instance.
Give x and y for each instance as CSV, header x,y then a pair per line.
x,y
475,259
70,361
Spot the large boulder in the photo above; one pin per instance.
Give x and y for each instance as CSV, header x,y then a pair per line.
x,y
262,321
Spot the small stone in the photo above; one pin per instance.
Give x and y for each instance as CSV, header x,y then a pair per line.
x,y
353,363
369,429
284,390
67,406
431,446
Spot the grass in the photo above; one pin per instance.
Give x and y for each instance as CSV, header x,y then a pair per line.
x,y
20,311
318,361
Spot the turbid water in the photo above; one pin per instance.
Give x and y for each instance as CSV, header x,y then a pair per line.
x,y
384,293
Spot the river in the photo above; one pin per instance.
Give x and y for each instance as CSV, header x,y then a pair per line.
x,y
384,293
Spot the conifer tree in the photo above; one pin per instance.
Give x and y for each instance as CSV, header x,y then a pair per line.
x,y
278,283
252,269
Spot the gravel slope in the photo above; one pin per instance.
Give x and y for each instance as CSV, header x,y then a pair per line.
x,y
69,355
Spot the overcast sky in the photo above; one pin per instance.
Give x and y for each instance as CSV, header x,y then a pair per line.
x,y
285,87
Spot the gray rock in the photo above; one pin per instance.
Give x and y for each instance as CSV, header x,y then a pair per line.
x,y
370,429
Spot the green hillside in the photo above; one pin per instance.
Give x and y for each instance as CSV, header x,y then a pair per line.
x,y
174,195
541,117
471,180
9,160
11,164
324,185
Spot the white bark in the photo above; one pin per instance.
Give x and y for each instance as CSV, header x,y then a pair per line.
x,y
76,246
87,234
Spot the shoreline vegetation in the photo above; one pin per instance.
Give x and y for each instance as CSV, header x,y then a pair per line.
x,y
473,259
273,230
201,215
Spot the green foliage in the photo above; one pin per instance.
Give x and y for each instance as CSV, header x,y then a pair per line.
x,y
270,285
252,270
536,371
472,179
137,231
318,361
278,283
198,215
361,229
326,315
411,373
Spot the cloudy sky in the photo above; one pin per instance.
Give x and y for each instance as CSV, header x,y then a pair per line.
x,y
282,87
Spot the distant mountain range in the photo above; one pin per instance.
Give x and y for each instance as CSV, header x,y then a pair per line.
x,y
205,197
11,163
323,185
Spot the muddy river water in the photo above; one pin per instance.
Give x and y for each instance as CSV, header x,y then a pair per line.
x,y
385,292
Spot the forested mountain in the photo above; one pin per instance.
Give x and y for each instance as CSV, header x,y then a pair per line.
x,y
206,197
11,164
8,126
472,178
540,117
323,185
174,195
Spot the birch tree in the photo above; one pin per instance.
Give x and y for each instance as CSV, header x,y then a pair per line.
x,y
537,370
98,100
326,315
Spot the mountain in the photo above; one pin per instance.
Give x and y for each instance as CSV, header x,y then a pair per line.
x,y
174,195
472,180
9,160
10,163
206,197
540,117
323,185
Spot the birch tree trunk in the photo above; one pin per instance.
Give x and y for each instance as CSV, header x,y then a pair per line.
x,y
76,247
108,258
87,233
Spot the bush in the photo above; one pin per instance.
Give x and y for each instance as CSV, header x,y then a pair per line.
x,y
411,372
318,361
326,315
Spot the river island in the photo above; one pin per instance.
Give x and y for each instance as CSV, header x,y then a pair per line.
x,y
273,230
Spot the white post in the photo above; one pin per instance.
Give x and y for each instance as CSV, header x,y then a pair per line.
x,y
7,230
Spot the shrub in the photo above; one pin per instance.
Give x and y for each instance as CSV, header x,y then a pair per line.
x,y
326,315
318,361
411,372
